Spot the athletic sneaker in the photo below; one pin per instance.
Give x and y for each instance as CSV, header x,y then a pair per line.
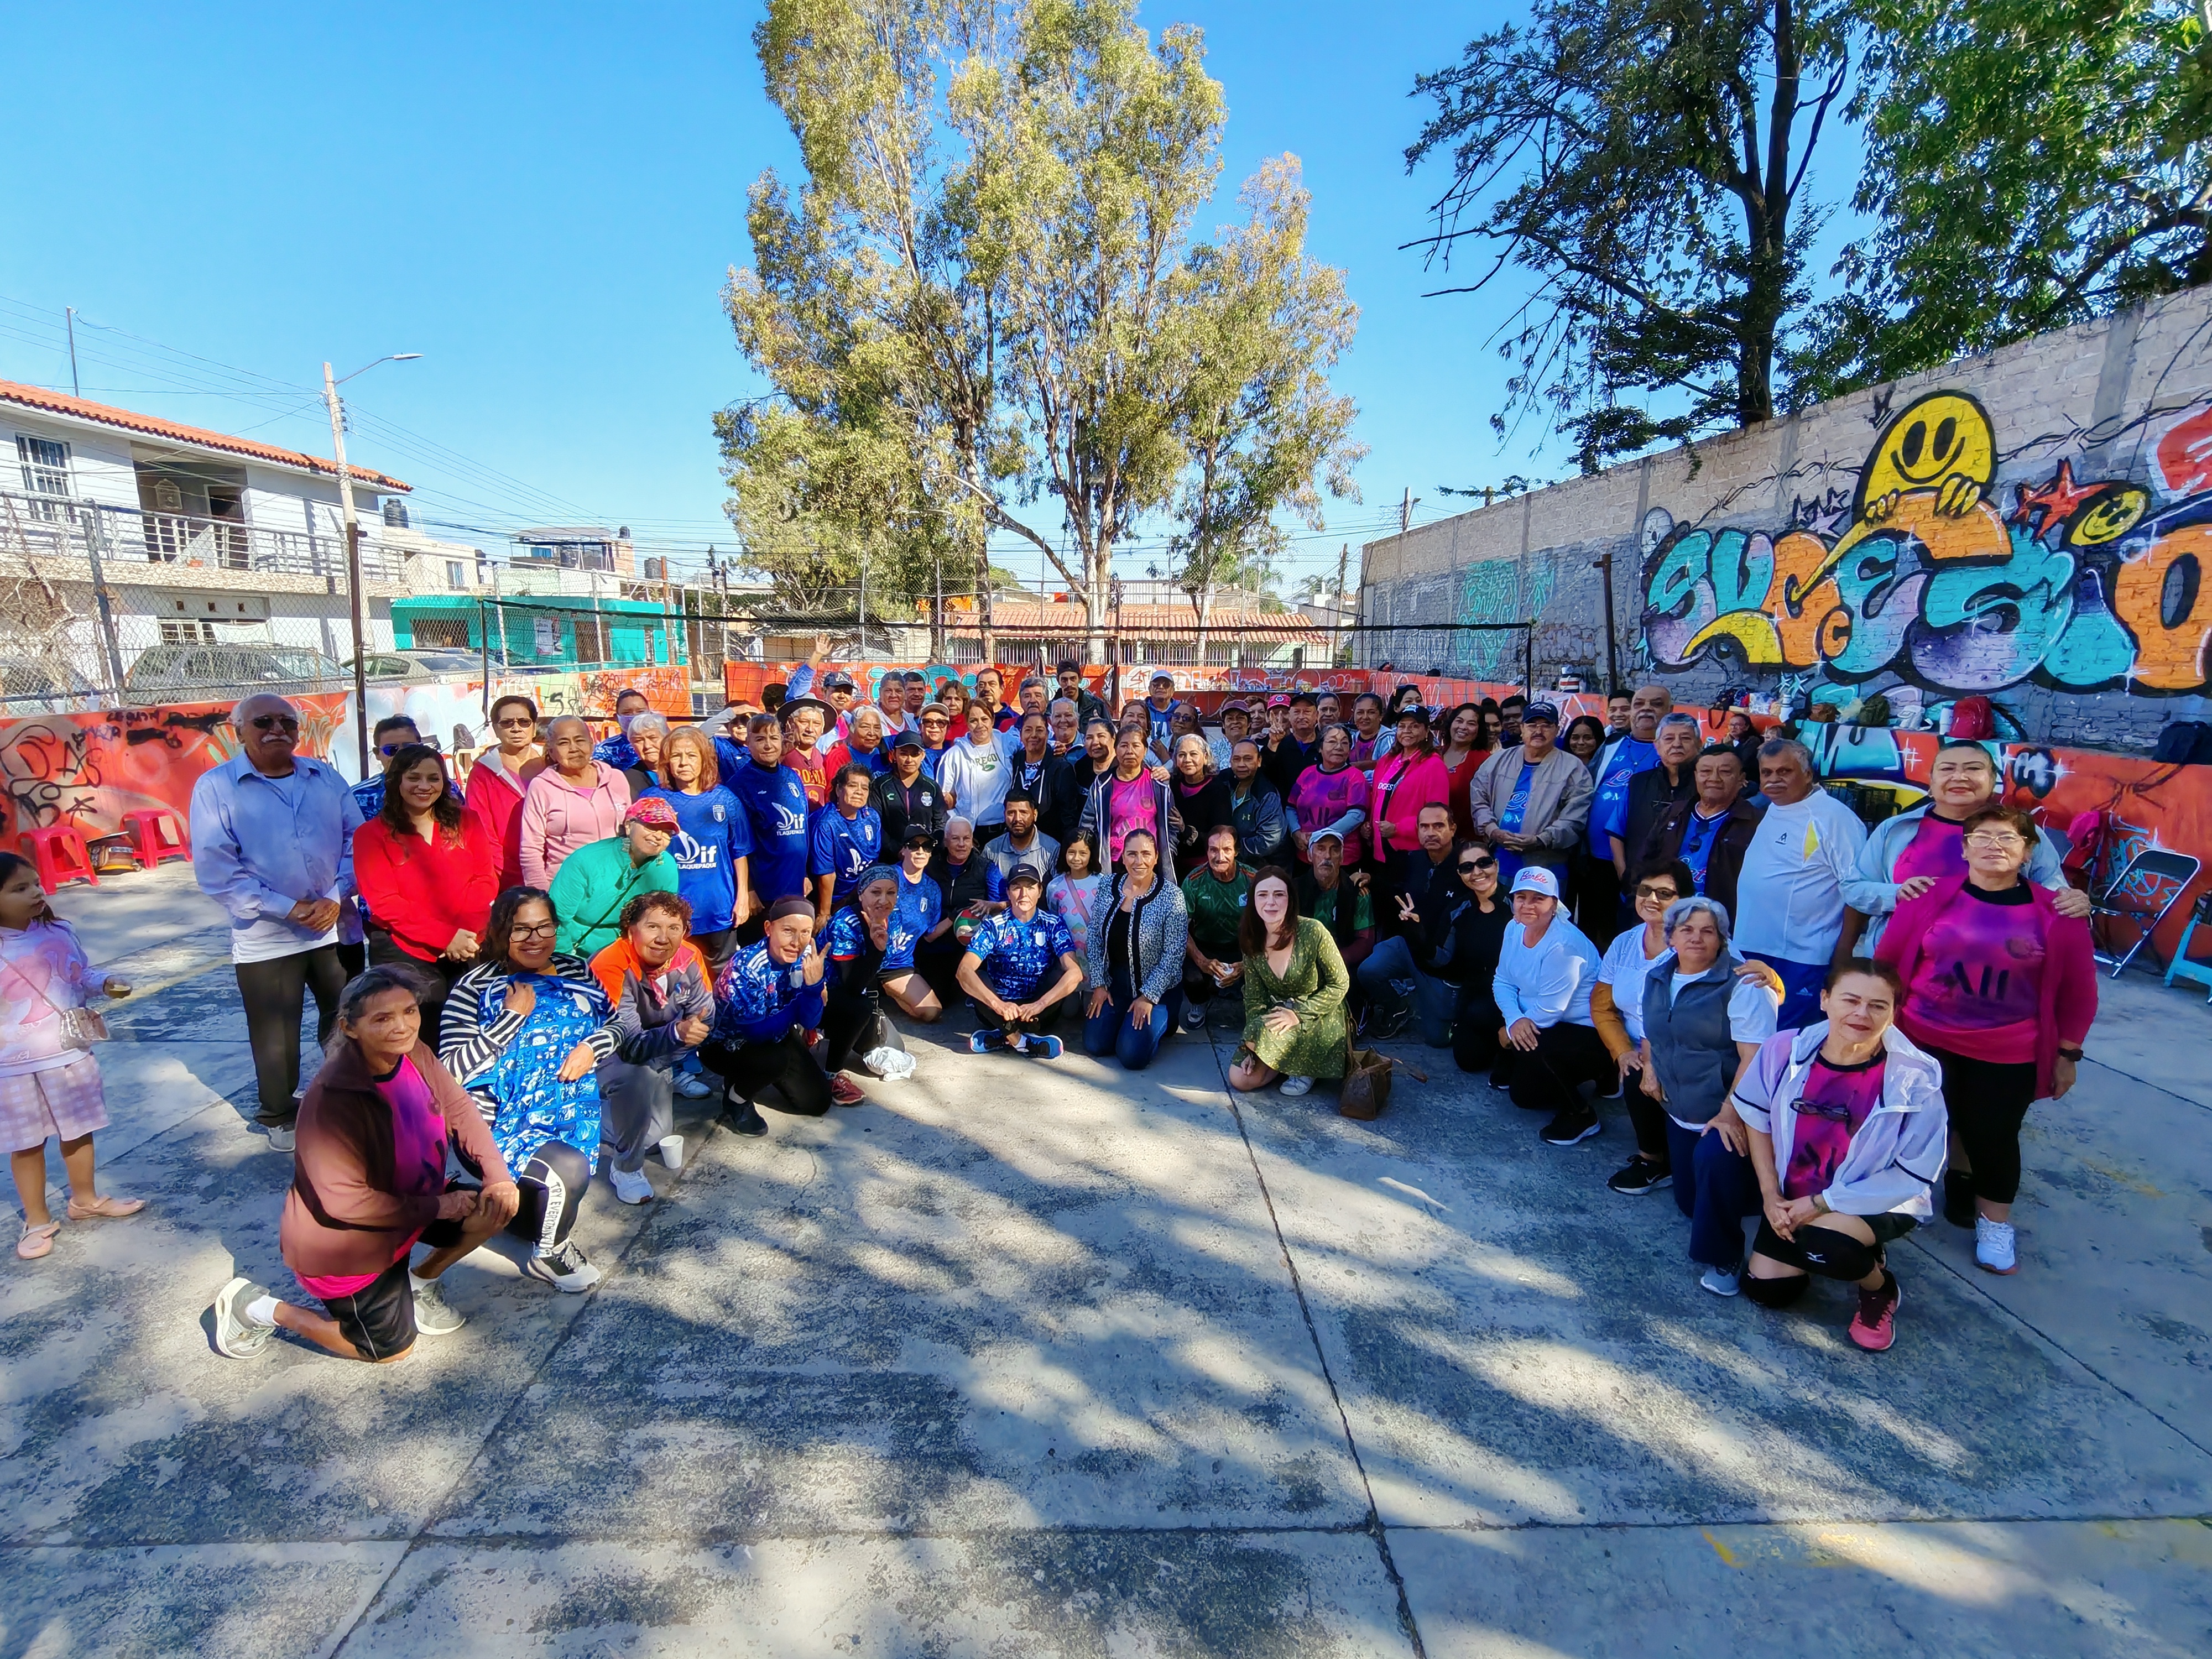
x,y
692,1086
1874,1327
565,1267
1958,1198
984,1042
1044,1046
1298,1086
282,1138
1571,1127
1388,1023
1639,1175
747,1119
630,1185
1995,1250
843,1092
1194,1015
431,1316
236,1336
1721,1282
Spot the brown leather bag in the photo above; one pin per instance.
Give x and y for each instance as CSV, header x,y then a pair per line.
x,y
1366,1088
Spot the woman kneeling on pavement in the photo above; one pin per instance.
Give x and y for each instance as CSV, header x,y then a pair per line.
x,y
1019,967
370,1184
1549,1049
1139,936
2001,990
854,1032
524,1031
1703,1022
1294,983
1847,1126
664,1006
766,1001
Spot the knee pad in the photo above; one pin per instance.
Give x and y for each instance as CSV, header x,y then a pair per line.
x,y
1836,1255
1775,1292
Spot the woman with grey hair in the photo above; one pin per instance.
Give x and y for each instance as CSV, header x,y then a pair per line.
x,y
648,737
1703,1026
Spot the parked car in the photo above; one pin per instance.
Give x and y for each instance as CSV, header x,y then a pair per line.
x,y
421,666
202,673
29,686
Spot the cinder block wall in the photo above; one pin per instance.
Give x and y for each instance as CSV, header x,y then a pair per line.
x,y
2034,526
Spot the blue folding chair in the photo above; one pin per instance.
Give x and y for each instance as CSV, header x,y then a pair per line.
x,y
2197,973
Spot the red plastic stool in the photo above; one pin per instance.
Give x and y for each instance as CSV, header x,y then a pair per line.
x,y
60,855
156,832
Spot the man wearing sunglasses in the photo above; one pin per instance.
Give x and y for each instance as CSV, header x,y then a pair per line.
x,y
272,843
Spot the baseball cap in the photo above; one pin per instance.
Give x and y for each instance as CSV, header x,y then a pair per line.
x,y
837,680
1234,706
908,738
652,813
917,834
1280,700
1321,836
1024,872
1546,712
1163,679
1535,878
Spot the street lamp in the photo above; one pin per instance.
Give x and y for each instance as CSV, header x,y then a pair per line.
x,y
353,543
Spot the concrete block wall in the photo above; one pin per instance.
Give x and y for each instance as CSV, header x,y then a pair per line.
x,y
2033,526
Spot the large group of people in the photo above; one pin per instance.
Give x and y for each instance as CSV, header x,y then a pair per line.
x,y
516,979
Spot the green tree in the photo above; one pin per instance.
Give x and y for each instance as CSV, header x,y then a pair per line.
x,y
2030,164
1640,161
1263,430
990,267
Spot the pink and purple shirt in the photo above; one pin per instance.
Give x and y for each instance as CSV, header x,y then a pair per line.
x,y
1978,983
1835,1104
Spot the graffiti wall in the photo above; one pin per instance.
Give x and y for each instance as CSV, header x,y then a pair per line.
x,y
2033,526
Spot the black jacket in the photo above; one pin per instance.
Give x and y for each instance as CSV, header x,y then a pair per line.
x,y
1459,943
1650,795
1203,810
1725,863
1435,888
1058,796
899,806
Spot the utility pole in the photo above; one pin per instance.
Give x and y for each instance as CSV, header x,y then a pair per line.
x,y
69,313
353,568
1336,603
95,532
1611,663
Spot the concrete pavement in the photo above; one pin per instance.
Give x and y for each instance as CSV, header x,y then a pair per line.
x,y
1049,1358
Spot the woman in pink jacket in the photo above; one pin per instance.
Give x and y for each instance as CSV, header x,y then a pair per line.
x,y
2000,989
1410,776
501,777
573,802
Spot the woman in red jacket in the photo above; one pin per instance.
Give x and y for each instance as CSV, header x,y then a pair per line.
x,y
1410,776
430,872
500,778
2001,990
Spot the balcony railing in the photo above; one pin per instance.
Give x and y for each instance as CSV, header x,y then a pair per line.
x,y
57,527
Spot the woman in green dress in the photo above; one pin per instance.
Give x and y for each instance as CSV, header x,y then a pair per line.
x,y
1294,988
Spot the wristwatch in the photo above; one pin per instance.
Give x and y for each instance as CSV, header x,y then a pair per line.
x,y
2074,1055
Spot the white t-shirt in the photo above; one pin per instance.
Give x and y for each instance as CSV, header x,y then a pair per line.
x,y
1622,972
1789,898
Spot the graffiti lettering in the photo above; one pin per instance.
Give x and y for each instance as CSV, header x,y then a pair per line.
x,y
2081,587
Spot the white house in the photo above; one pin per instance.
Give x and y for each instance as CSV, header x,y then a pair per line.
x,y
202,539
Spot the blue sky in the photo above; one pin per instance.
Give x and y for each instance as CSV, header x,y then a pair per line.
x,y
544,201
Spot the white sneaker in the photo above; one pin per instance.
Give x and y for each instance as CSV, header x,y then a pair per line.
x,y
566,1268
431,1316
630,1185
237,1334
282,1138
1297,1085
1720,1282
692,1086
1995,1247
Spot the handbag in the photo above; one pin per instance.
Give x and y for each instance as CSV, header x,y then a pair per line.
x,y
81,1027
1366,1088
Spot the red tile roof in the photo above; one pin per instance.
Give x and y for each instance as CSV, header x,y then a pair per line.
x,y
57,403
1016,616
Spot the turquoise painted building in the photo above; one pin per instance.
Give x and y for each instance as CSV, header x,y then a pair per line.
x,y
542,631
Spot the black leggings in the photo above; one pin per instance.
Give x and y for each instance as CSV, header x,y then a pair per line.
x,y
1988,1103
783,1065
1821,1253
1549,1080
852,1028
1475,1030
275,993
552,1184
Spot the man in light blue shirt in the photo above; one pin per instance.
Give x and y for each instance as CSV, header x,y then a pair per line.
x,y
272,843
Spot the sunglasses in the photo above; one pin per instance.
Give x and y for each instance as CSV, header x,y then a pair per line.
x,y
1472,865
1647,890
388,750
268,722
521,722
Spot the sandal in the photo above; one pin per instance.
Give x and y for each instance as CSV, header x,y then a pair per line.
x,y
37,1241
103,1208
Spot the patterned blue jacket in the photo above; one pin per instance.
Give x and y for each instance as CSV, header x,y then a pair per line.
x,y
758,1000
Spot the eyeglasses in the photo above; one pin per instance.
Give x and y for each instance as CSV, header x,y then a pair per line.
x,y
388,750
534,930
1649,890
1993,838
515,722
266,722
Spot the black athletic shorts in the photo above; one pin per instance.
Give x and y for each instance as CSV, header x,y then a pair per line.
x,y
379,1319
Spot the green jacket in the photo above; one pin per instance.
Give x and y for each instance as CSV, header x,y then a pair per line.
x,y
592,886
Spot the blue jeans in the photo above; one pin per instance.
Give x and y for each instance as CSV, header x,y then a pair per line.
x,y
1109,1032
1801,985
1717,1188
1389,981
